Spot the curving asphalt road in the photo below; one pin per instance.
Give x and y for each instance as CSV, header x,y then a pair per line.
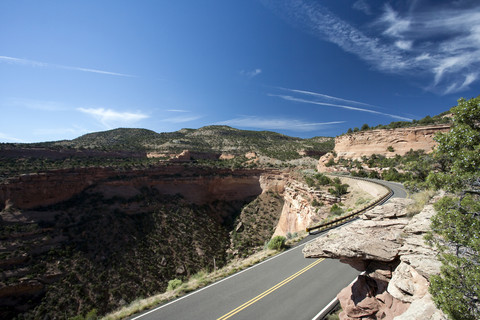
x,y
286,286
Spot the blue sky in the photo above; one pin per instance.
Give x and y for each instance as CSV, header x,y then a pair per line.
x,y
302,67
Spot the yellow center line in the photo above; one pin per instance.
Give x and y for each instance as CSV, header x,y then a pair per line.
x,y
267,292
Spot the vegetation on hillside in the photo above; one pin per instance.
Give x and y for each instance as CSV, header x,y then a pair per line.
x,y
256,224
456,226
99,252
454,166
127,148
213,139
441,118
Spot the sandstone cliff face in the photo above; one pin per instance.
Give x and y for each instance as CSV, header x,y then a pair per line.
x,y
366,143
198,185
298,213
389,247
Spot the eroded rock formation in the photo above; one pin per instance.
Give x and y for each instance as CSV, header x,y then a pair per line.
x,y
196,184
401,140
388,246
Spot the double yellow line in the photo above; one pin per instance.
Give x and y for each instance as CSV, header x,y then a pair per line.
x,y
266,293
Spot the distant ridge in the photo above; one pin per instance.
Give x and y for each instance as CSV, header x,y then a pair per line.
x,y
216,139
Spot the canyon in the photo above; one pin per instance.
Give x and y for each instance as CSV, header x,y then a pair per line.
x,y
113,234
74,239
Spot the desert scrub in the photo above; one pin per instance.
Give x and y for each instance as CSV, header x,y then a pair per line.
x,y
277,243
336,210
421,199
174,284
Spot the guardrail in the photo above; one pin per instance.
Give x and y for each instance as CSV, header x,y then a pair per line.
x,y
344,219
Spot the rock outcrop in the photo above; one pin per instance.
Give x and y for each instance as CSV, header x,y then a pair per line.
x,y
388,246
196,184
401,140
299,211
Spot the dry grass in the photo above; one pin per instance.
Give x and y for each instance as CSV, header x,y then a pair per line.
x,y
201,279
421,199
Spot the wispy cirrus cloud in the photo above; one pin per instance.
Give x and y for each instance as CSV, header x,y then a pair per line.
x,y
181,116
110,118
363,6
251,73
35,104
276,124
177,110
182,119
321,100
8,138
440,42
33,63
326,97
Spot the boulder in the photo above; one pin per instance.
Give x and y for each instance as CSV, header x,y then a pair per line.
x,y
407,284
389,246
422,309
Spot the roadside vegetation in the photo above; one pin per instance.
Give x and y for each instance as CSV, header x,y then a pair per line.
x,y
456,226
454,167
411,169
442,118
204,278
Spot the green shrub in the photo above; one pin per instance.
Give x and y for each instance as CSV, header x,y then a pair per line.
x,y
323,180
330,163
174,284
92,315
339,190
277,243
336,210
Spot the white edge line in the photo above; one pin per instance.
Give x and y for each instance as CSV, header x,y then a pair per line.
x,y
334,301
219,281
236,274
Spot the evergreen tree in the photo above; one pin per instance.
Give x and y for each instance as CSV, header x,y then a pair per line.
x,y
456,226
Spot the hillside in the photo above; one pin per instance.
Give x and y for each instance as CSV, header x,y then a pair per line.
x,y
141,148
214,139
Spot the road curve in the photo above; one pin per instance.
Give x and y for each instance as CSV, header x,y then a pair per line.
x,y
286,286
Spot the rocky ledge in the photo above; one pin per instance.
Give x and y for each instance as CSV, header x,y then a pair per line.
x,y
388,246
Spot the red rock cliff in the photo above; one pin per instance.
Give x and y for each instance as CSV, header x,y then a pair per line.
x,y
198,185
366,143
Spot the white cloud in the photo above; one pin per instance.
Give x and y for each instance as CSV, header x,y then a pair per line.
x,y
404,44
110,118
181,119
276,124
361,5
32,63
327,104
251,73
326,97
396,24
8,138
439,41
177,110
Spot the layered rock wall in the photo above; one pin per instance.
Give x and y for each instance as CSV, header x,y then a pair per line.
x,y
298,213
368,142
388,246
198,185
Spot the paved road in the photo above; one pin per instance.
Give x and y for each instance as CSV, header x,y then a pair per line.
x,y
287,286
